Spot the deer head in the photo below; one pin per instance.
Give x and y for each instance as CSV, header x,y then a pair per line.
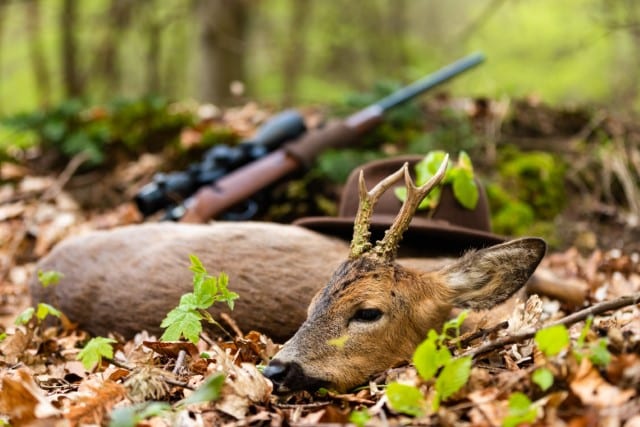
x,y
373,312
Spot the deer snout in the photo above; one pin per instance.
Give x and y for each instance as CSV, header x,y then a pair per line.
x,y
289,377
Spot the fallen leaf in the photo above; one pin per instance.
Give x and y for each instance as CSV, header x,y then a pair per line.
x,y
23,400
592,389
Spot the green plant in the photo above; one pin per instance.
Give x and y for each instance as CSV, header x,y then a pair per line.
x,y
39,313
48,278
458,175
185,319
433,359
92,353
74,127
528,193
521,410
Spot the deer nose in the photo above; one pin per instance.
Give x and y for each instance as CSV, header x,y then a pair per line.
x,y
276,371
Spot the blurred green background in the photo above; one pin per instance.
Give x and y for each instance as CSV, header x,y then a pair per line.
x,y
314,51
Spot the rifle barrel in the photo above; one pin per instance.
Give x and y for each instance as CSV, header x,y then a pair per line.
x,y
427,82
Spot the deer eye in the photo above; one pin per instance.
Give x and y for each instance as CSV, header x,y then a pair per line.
x,y
367,315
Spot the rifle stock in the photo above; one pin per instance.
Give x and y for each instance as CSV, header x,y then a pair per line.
x,y
242,183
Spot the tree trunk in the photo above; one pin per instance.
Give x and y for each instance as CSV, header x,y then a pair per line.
x,y
36,52
72,80
118,20
154,35
222,42
295,53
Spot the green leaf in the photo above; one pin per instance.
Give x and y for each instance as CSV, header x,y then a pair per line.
x,y
599,354
465,189
405,399
204,290
131,416
3,336
453,377
543,378
427,167
24,317
93,352
552,340
359,418
45,309
196,265
521,410
464,162
48,278
425,359
180,322
454,324
208,391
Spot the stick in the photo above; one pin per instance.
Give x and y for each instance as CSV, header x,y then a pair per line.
x,y
567,320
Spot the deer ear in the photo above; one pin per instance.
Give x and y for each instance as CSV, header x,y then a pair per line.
x,y
482,279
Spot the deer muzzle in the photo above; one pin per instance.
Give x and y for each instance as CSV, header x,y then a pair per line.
x,y
288,377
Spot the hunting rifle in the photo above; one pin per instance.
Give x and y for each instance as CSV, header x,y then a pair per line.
x,y
239,185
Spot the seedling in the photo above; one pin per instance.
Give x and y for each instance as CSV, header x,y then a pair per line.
x,y
185,320
432,358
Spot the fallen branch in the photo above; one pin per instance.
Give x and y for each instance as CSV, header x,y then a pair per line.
x,y
576,317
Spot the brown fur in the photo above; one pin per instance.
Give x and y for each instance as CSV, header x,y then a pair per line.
x,y
126,280
331,348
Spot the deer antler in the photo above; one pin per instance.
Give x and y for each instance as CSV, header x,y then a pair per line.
x,y
368,199
387,248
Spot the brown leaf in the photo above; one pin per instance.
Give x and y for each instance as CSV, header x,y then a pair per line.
x,y
92,408
172,349
23,400
592,389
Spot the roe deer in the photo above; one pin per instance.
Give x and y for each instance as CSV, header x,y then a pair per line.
x,y
127,279
373,312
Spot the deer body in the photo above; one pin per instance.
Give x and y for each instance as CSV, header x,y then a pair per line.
x,y
127,279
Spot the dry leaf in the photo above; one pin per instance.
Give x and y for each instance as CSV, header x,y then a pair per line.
x,y
592,389
23,400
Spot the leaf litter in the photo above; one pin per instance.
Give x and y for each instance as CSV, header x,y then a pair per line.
x,y
219,382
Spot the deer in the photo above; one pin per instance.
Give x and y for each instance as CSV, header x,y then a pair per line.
x,y
126,279
373,312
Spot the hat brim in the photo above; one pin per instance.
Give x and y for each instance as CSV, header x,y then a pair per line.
x,y
424,236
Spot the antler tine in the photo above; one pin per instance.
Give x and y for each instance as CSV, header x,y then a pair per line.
x,y
387,248
368,199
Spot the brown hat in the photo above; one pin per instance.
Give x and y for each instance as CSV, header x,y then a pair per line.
x,y
450,229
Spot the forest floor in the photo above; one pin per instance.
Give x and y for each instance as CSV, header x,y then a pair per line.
x,y
595,378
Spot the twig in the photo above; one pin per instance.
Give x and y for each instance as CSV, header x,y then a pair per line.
x,y
232,324
567,320
179,362
480,333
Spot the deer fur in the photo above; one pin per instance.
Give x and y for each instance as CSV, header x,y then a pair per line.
x,y
127,279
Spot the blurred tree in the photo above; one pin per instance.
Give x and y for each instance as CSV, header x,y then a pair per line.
x,y
622,17
72,80
36,53
118,18
294,56
223,28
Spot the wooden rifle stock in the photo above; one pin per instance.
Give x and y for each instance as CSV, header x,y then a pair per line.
x,y
244,182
